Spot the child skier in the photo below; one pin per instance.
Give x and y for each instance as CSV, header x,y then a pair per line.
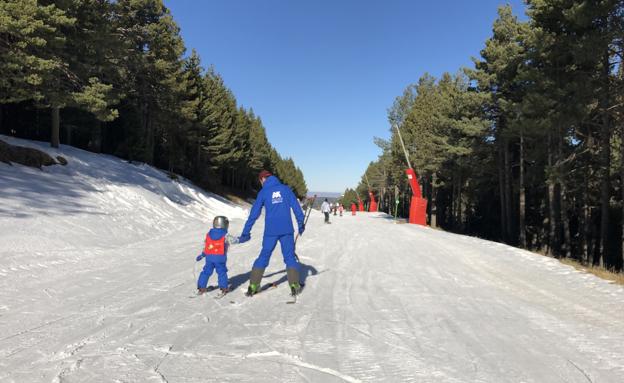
x,y
215,251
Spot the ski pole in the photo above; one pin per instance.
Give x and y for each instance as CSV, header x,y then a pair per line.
x,y
305,222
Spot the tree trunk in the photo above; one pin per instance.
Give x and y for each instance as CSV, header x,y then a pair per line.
x,y
501,185
622,188
605,162
508,222
586,215
565,220
522,195
586,224
403,204
433,221
150,138
427,195
68,134
56,122
453,192
552,241
95,144
585,228
197,166
604,195
459,220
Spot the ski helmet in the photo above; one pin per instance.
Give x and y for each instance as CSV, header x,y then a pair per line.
x,y
220,222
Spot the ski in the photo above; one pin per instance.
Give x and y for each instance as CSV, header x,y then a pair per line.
x,y
221,294
292,301
266,286
208,289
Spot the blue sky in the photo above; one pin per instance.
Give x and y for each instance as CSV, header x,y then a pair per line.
x,y
321,74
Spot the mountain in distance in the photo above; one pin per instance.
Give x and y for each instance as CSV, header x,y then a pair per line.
x,y
320,197
327,195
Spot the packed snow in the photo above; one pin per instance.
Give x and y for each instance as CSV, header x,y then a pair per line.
x,y
97,284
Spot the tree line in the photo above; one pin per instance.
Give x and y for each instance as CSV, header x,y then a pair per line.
x,y
112,76
527,146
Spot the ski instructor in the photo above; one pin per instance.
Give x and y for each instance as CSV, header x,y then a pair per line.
x,y
277,200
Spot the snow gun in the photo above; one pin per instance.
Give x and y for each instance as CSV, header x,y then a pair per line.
x,y
418,205
373,204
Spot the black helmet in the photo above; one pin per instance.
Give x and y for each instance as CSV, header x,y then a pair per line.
x,y
220,222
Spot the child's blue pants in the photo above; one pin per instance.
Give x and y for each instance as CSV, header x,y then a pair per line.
x,y
213,262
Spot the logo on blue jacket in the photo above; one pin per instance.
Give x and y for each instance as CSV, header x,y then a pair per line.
x,y
276,197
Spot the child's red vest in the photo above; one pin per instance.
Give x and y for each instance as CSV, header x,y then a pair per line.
x,y
214,246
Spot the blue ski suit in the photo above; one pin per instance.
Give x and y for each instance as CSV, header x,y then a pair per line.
x,y
215,261
277,200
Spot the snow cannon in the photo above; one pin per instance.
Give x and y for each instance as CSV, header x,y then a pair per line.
x,y
360,205
418,205
373,204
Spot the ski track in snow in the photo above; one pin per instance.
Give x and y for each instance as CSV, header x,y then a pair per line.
x,y
97,264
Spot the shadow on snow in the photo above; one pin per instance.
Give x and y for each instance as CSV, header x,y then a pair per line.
x,y
306,271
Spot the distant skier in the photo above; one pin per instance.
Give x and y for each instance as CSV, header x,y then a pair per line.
x,y
340,209
278,200
353,208
215,252
325,209
335,208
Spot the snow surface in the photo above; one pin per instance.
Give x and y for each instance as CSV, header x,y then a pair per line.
x,y
97,267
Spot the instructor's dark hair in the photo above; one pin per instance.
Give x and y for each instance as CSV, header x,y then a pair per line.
x,y
264,174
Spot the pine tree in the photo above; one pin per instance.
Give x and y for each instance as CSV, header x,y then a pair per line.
x,y
30,36
573,53
260,147
193,98
219,113
117,67
498,79
152,68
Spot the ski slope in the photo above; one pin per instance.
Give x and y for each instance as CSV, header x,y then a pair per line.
x,y
97,267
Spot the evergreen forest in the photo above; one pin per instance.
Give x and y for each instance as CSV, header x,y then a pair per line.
x,y
114,76
527,146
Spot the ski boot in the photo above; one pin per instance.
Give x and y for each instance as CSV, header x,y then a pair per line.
x,y
295,289
252,289
254,282
293,281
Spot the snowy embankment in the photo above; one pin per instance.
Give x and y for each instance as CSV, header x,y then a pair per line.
x,y
96,263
